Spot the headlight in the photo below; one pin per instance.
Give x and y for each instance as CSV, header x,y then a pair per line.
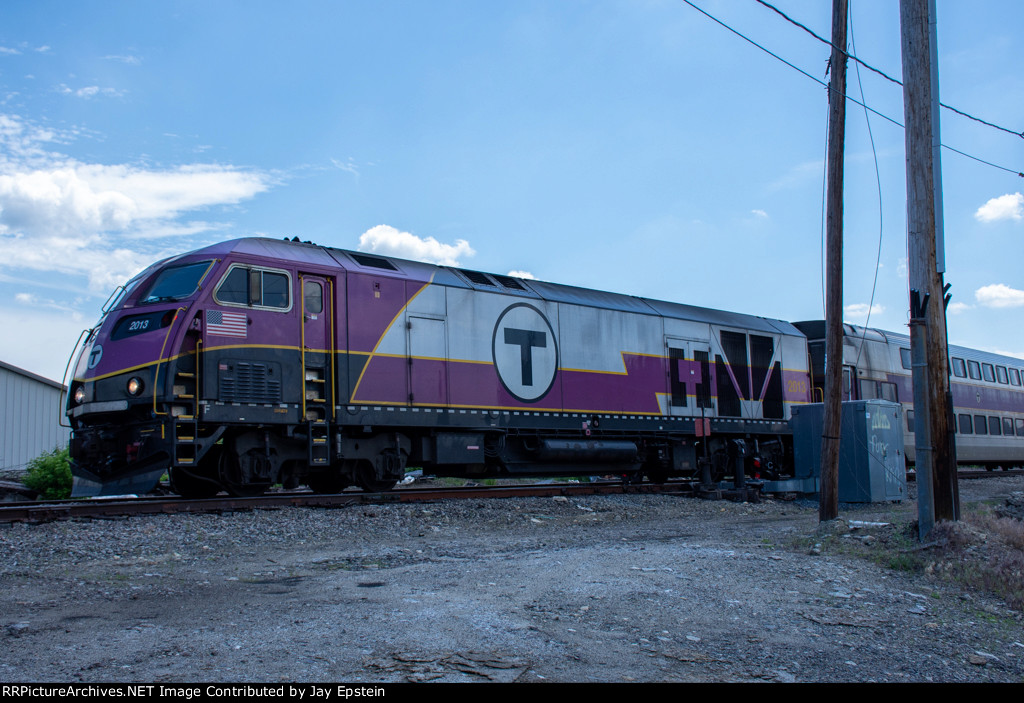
x,y
79,395
135,385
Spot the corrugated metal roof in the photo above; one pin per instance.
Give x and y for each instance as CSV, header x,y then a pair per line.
x,y
29,374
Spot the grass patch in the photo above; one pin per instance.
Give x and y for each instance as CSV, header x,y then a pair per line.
x,y
49,474
982,552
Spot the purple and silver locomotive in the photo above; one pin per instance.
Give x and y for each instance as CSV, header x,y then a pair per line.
x,y
257,362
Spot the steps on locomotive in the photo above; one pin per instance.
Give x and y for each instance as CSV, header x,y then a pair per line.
x,y
316,416
185,424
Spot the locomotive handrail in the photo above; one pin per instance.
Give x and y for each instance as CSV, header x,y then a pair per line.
x,y
65,385
199,378
302,340
334,351
160,359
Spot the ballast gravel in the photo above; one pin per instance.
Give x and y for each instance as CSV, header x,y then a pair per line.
x,y
618,588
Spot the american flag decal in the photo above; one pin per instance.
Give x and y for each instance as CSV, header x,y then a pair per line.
x,y
226,324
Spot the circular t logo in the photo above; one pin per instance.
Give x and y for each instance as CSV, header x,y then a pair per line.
x,y
525,352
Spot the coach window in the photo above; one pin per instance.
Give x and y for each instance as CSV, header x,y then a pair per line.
x,y
995,426
910,421
905,358
980,424
958,368
1007,426
988,373
1020,428
974,369
1001,374
966,425
1014,377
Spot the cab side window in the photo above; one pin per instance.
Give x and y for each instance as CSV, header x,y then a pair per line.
x,y
235,288
313,294
255,287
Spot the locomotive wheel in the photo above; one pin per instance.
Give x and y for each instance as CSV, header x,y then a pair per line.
x,y
368,481
231,477
326,483
657,476
200,482
193,486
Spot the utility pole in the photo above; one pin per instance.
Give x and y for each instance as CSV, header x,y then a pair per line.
x,y
828,507
936,452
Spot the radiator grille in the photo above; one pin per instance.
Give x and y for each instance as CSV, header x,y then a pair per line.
x,y
248,382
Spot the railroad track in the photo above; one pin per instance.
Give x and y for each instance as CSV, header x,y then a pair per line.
x,y
977,473
115,507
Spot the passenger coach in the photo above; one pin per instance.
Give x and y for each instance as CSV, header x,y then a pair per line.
x,y
988,395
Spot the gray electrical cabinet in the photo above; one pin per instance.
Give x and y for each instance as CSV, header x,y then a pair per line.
x,y
872,467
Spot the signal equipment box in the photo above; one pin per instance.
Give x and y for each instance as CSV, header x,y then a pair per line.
x,y
872,466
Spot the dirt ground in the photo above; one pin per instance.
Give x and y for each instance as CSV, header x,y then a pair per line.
x,y
625,588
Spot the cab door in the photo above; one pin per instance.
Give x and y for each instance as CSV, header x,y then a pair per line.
x,y
316,294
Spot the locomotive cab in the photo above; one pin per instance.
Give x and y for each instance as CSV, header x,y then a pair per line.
x,y
118,389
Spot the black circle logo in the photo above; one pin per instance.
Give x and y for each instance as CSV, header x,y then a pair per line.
x,y
525,352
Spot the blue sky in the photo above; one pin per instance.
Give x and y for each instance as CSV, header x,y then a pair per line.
x,y
630,146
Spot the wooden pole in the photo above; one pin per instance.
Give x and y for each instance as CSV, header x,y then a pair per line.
x,y
920,96
828,507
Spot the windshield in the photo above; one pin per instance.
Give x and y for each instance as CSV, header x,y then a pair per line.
x,y
175,283
119,294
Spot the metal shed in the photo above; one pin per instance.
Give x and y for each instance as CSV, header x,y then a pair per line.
x,y
29,411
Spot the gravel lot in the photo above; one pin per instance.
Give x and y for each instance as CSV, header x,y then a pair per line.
x,y
628,588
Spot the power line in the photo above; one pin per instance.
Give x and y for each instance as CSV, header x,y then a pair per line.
x,y
848,97
878,182
882,73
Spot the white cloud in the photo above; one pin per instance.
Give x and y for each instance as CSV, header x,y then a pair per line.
x,y
134,60
957,308
760,213
35,301
44,339
348,166
857,313
91,197
384,239
797,175
1005,207
9,51
999,295
523,274
61,215
90,91
103,264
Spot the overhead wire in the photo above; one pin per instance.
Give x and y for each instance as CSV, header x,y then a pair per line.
x,y
846,96
884,75
878,182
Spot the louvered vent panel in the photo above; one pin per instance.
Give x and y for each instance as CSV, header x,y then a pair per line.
x,y
249,382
